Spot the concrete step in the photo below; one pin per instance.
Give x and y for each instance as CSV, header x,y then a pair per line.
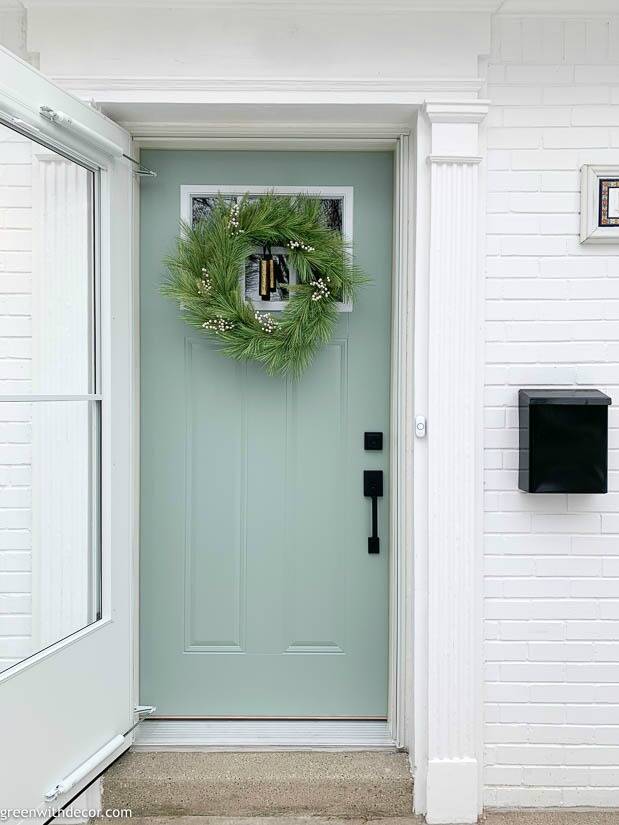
x,y
364,785
520,817
272,820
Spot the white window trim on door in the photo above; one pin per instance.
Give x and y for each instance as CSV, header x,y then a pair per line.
x,y
346,193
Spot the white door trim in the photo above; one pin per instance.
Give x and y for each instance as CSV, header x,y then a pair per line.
x,y
436,654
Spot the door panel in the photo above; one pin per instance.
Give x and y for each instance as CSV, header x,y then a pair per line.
x,y
258,595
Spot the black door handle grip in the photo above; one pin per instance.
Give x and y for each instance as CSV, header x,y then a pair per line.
x,y
373,488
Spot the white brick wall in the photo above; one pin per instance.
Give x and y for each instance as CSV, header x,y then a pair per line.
x,y
15,419
552,308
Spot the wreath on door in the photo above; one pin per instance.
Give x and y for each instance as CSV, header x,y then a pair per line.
x,y
207,272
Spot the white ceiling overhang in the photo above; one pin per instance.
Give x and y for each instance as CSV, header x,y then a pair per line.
x,y
533,7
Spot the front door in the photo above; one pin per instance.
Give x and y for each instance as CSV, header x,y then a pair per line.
x,y
258,594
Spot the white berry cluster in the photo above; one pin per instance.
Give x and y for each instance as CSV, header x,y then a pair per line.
x,y
204,283
233,220
266,321
300,245
321,289
218,325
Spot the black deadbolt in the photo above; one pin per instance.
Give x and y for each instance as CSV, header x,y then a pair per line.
x,y
372,441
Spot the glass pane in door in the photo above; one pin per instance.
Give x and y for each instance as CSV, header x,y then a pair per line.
x,y
49,409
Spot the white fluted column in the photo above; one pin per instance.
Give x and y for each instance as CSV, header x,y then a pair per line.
x,y
454,465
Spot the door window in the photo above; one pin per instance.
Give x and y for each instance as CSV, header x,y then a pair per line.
x,y
49,403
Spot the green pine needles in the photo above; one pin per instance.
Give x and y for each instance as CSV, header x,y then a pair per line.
x,y
205,276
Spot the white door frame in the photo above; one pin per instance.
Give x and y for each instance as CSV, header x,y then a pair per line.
x,y
396,732
436,654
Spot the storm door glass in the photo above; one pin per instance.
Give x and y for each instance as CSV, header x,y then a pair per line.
x,y
49,405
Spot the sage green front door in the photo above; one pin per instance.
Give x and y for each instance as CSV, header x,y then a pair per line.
x,y
258,594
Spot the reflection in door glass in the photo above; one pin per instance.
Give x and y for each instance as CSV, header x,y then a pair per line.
x,y
49,410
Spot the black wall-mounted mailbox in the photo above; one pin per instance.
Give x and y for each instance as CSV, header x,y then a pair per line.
x,y
563,441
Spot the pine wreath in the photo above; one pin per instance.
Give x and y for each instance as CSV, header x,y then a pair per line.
x,y
204,276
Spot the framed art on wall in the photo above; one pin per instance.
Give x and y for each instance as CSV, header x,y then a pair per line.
x,y
599,204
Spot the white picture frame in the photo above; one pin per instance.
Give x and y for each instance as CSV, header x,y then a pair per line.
x,y
599,203
190,191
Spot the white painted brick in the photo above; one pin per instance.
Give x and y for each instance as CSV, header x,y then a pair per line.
x,y
575,137
15,240
498,159
545,202
18,647
582,267
568,566
15,196
16,152
532,672
497,202
575,95
531,631
559,224
14,626
601,74
592,115
511,181
610,523
15,561
560,181
505,651
15,175
537,587
16,218
597,40
510,224
541,74
509,95
603,776
599,797
575,41
507,522
503,775
11,583
545,160
524,797
523,545
11,603
592,630
540,609
563,775
512,138
508,38
510,566
517,501
516,267
533,245
536,116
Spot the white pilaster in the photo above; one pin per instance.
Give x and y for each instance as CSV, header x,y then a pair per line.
x,y
454,465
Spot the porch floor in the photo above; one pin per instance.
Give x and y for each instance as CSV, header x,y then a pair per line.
x,y
356,784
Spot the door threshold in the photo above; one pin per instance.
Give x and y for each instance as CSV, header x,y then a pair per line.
x,y
263,735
